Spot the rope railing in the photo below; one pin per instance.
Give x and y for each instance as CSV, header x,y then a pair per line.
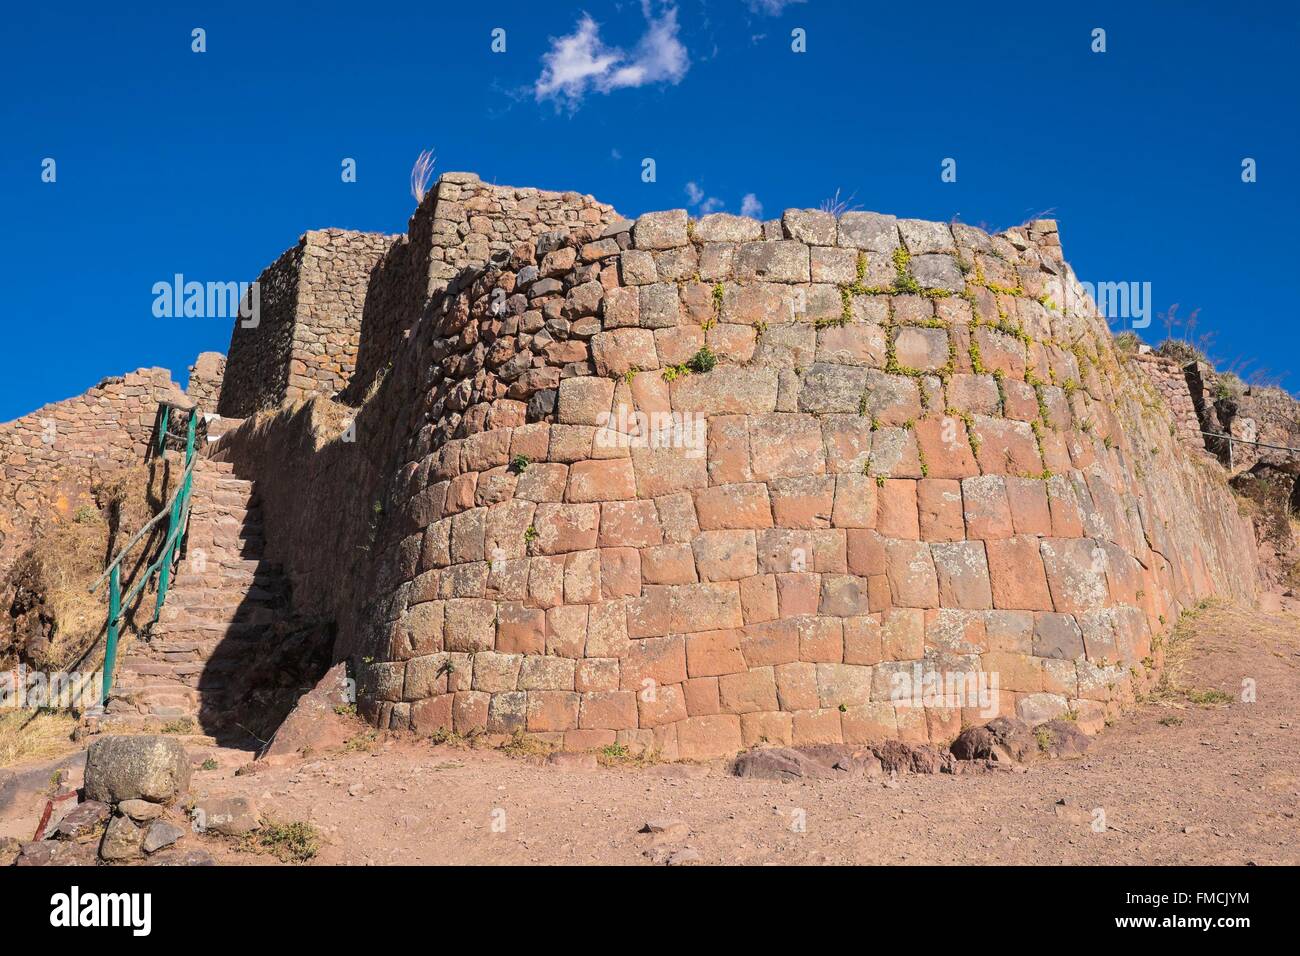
x,y
1247,441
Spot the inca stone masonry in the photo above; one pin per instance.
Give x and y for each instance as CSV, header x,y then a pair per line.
x,y
901,452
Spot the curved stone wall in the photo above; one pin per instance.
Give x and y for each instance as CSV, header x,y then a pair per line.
x,y
697,485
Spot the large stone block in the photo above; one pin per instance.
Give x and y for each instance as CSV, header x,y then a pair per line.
x,y
681,609
728,389
660,230
963,573
152,768
871,231
784,446
1076,574
724,227
781,261
1019,581
912,579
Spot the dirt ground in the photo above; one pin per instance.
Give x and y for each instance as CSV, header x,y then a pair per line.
x,y
1173,782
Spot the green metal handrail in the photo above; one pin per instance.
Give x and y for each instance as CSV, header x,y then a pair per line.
x,y
178,511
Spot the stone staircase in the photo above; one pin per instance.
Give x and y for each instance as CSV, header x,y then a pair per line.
x,y
224,600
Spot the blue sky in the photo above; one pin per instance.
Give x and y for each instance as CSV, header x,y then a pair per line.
x,y
210,164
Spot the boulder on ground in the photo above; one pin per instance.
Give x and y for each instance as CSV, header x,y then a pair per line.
x,y
141,811
315,723
928,759
178,857
1009,741
780,763
1063,738
818,762
153,768
973,743
233,816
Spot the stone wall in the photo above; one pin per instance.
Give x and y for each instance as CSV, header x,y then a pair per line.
x,y
51,459
1226,406
462,223
1169,380
695,485
337,307
206,376
308,329
257,362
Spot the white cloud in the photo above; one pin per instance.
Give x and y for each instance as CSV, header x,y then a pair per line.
x,y
771,8
581,62
574,61
696,196
750,206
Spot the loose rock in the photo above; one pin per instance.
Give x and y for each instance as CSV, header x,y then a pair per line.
x,y
122,840
141,811
233,816
153,768
83,822
161,834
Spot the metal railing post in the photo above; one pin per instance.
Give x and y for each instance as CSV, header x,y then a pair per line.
x,y
179,511
114,612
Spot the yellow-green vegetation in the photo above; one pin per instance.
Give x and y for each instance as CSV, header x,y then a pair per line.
x,y
620,755
445,735
362,743
1207,697
705,360
521,744
296,842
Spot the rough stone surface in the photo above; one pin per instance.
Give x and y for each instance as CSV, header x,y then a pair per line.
x,y
160,834
152,768
232,816
707,460
122,841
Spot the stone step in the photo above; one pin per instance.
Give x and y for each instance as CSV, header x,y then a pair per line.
x,y
224,516
210,615
226,538
208,630
222,580
195,596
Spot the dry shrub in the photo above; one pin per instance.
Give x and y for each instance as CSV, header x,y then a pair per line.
x,y
53,620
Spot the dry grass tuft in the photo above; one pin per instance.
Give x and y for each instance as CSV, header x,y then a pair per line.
x,y
34,735
53,620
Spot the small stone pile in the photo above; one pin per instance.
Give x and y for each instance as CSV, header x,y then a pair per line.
x,y
131,784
